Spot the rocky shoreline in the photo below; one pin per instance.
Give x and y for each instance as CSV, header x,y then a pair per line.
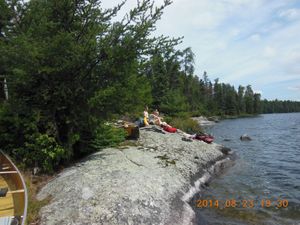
x,y
148,182
204,121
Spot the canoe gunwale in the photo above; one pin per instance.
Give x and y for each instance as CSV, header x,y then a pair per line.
x,y
24,186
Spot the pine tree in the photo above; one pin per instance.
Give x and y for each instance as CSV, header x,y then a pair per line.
x,y
256,103
249,99
241,100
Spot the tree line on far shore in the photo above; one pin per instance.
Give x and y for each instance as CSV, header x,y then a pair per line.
x,y
279,106
69,67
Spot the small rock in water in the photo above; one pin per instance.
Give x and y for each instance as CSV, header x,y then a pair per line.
x,y
245,137
205,185
225,150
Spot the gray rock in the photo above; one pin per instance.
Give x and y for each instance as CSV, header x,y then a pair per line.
x,y
132,185
203,121
225,150
226,139
214,119
245,137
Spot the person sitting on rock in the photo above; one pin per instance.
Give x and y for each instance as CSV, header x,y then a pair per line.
x,y
146,116
158,120
155,118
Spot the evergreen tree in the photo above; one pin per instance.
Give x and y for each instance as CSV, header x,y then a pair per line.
x,y
74,67
231,100
256,103
249,99
241,100
188,61
70,67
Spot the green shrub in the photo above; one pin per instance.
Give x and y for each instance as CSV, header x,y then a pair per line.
x,y
21,139
44,152
186,124
183,115
107,135
15,130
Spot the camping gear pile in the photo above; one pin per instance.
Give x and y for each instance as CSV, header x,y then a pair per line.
x,y
204,137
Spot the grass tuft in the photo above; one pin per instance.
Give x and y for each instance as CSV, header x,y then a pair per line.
x,y
186,124
34,184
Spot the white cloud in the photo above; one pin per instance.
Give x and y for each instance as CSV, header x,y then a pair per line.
x,y
239,41
245,69
258,91
255,37
269,52
294,88
290,14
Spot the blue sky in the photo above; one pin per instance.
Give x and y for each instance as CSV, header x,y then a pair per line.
x,y
254,42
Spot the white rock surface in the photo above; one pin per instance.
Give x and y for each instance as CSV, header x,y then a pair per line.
x,y
137,185
203,121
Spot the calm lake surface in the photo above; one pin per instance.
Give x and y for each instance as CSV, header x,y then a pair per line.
x,y
266,172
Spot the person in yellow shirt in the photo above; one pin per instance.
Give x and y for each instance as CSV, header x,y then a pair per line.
x,y
146,116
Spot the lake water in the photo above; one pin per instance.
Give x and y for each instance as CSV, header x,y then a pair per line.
x,y
263,187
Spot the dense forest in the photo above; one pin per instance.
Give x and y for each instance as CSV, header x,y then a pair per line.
x,y
67,67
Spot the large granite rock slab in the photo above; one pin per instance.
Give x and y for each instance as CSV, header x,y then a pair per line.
x,y
144,184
